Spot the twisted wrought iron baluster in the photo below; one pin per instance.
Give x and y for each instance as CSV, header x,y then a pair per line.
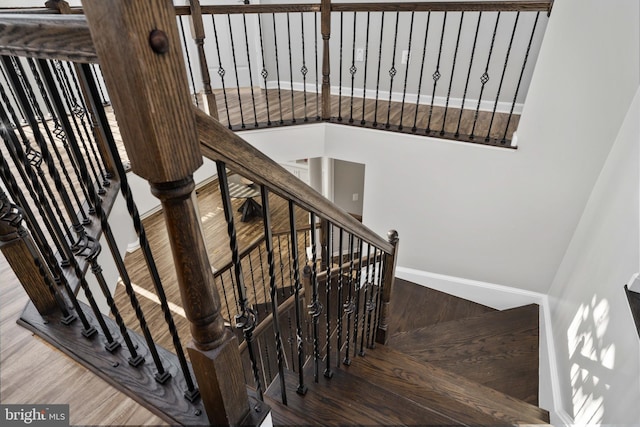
x,y
264,73
353,69
524,64
406,71
504,71
253,97
466,85
327,370
315,308
275,41
392,71
282,285
366,67
380,264
356,318
349,305
340,72
371,303
17,121
304,70
367,285
293,107
235,68
246,318
375,114
272,286
315,25
424,54
302,389
436,75
221,71
340,307
253,283
192,393
453,71
485,77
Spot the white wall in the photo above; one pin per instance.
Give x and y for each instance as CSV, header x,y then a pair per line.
x,y
596,343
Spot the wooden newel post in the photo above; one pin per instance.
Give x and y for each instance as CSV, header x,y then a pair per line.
x,y
390,260
139,50
24,258
325,29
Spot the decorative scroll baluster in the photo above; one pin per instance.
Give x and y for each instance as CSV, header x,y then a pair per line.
x,y
282,285
315,308
366,63
370,307
353,69
246,318
327,370
221,71
406,72
272,286
380,286
275,45
302,389
365,308
424,54
253,97
293,108
453,71
235,68
436,74
188,55
264,73
485,77
504,71
375,114
392,71
340,307
466,85
524,64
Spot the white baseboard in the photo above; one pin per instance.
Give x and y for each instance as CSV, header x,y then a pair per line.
x,y
504,297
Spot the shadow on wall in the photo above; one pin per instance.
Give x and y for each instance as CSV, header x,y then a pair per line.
x,y
592,359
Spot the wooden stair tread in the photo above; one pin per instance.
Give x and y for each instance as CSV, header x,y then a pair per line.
x,y
443,391
346,399
497,349
408,307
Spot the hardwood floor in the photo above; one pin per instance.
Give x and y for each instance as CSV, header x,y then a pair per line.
x,y
32,372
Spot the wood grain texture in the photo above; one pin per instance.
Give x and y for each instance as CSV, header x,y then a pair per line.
x,y
498,349
47,36
448,6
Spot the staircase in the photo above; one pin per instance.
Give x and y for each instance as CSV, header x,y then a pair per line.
x,y
449,361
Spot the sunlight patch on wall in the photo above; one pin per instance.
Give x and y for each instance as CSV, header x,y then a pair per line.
x,y
592,360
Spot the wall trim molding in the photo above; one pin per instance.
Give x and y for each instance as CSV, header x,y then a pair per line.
x,y
504,297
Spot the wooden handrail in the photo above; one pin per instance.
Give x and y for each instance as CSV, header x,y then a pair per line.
x,y
219,143
446,6
251,8
47,36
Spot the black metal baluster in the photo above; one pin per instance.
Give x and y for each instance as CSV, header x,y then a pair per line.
x,y
340,69
504,71
282,285
221,71
235,68
272,286
188,55
275,44
453,70
304,70
293,107
245,319
358,283
161,376
392,71
96,75
327,370
466,85
315,308
253,97
192,392
353,69
264,73
349,305
424,54
406,71
375,114
224,292
339,306
370,302
253,283
524,64
315,23
379,263
365,300
366,66
485,77
263,280
17,121
302,389
436,74
235,296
